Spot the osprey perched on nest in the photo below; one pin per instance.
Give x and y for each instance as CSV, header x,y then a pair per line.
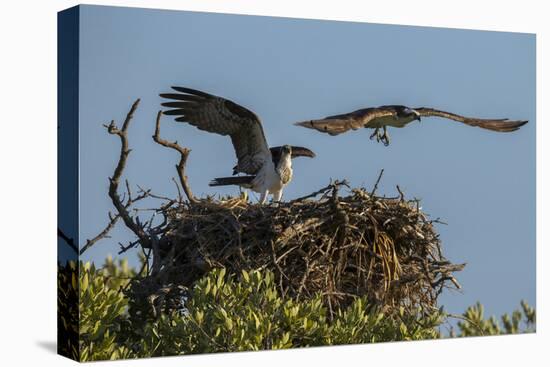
x,y
268,170
398,116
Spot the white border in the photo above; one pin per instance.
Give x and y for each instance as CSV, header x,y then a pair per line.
x,y
28,183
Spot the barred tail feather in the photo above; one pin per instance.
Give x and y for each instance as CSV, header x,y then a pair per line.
x,y
238,180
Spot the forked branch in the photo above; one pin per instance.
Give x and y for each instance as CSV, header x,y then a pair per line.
x,y
180,167
333,186
103,234
114,181
113,219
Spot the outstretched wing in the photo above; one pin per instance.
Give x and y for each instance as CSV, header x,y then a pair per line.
x,y
276,154
501,125
338,124
296,151
222,116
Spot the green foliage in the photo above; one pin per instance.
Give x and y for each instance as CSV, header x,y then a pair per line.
x,y
67,310
224,314
356,325
249,315
475,324
228,312
102,309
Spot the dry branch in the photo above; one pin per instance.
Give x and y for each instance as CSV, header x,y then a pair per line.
x,y
103,234
69,241
377,182
113,219
332,186
121,208
180,167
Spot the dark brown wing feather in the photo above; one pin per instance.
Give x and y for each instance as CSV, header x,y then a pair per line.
x,y
338,124
222,116
296,152
276,154
501,125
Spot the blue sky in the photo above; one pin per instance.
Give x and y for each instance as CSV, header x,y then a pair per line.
x,y
481,183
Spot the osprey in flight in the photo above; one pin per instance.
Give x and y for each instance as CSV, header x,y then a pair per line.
x,y
398,116
268,170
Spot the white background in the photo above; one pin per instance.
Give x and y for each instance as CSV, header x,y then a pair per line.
x,y
28,180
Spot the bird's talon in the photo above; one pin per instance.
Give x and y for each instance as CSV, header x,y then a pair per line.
x,y
374,134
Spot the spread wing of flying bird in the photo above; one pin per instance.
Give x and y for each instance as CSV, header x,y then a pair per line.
x,y
268,170
500,125
399,116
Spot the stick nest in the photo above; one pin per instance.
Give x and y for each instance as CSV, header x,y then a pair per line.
x,y
340,246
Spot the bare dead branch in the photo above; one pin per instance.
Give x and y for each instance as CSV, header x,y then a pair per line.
x,y
121,208
154,196
180,167
130,245
377,182
177,188
102,234
324,190
401,194
130,200
69,241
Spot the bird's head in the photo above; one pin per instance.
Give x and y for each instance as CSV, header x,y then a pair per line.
x,y
286,150
284,158
410,114
416,115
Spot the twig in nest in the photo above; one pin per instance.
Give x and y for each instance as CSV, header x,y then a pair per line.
x,y
177,188
377,182
329,187
180,167
401,194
